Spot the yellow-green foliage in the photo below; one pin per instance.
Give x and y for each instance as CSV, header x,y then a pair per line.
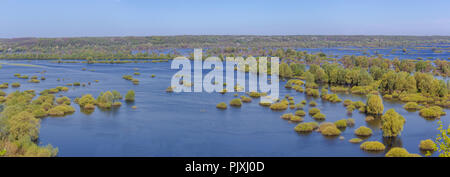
x,y
130,96
63,100
415,97
169,89
137,73
279,106
427,145
296,119
23,124
347,102
312,103
300,113
372,146
324,125
295,82
374,105
15,84
359,104
117,104
314,111
304,127
312,92
341,123
331,98
246,99
369,118
262,103
355,140
287,116
392,123
105,100
330,131
432,112
319,116
412,106
363,131
443,141
254,94
221,105
61,110
236,102
87,99
400,152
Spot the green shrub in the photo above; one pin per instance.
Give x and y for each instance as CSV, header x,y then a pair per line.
x,y
432,112
287,116
63,100
117,104
34,81
15,84
324,125
347,102
262,103
39,113
130,96
89,106
296,119
341,123
153,75
427,145
400,152
359,104
312,103
304,127
372,146
246,99
137,73
314,111
392,123
412,106
374,105
363,131
319,116
76,84
254,94
300,113
355,140
369,118
330,131
279,106
85,100
221,105
236,102
169,89
2,93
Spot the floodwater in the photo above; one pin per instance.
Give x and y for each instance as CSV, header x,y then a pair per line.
x,y
188,124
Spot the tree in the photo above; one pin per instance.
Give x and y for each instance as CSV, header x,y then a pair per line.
x,y
374,105
129,96
22,125
443,141
392,123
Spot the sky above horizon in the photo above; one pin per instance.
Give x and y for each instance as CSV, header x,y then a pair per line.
x,y
77,18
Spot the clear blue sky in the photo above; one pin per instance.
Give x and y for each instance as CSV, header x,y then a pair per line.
x,y
69,18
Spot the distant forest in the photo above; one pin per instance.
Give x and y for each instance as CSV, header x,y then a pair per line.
x,y
123,47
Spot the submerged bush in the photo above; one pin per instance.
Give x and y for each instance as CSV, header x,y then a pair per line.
x,y
427,145
369,118
355,140
374,105
236,102
392,123
330,131
324,125
246,99
254,94
169,89
432,112
296,119
63,100
15,84
341,123
363,131
262,103
221,105
304,127
347,102
319,116
372,146
312,103
412,106
76,84
279,106
87,99
287,116
314,111
130,96
300,113
400,152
